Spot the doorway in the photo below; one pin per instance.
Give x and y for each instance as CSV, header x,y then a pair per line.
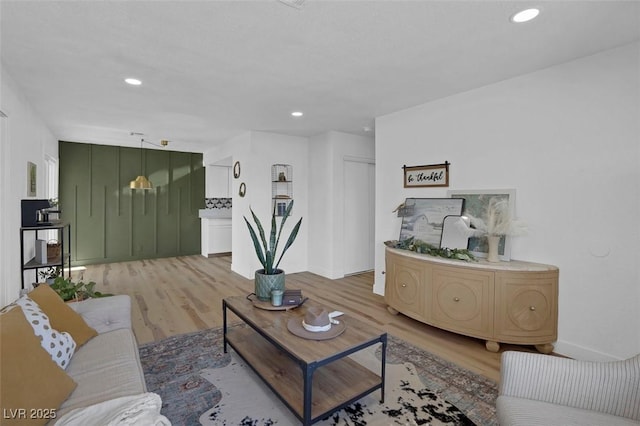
x,y
359,215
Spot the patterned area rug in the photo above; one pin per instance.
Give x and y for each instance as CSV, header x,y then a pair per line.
x,y
199,384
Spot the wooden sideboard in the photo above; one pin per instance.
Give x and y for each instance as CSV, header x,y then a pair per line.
x,y
505,302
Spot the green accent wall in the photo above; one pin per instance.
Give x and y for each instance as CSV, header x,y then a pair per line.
x,y
111,222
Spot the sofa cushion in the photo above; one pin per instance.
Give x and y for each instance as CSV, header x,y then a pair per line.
x,y
514,411
106,367
59,344
62,317
30,379
141,409
105,313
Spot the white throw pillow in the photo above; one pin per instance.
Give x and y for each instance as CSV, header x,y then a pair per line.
x,y
60,345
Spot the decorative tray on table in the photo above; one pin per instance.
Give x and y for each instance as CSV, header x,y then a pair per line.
x,y
267,306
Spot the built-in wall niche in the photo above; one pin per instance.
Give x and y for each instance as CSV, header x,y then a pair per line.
x,y
219,178
281,187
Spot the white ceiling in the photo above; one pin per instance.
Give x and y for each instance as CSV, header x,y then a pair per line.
x,y
214,69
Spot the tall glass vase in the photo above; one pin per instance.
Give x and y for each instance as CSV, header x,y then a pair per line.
x,y
494,242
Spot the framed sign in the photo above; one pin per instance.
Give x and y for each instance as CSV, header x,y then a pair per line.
x,y
428,175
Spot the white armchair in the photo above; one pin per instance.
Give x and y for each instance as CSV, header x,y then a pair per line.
x,y
544,390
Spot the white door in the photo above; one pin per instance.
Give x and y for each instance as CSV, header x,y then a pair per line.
x,y
359,226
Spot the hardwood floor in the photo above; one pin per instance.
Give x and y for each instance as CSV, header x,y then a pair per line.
x,y
178,295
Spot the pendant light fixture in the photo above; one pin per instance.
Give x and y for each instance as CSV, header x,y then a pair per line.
x,y
141,182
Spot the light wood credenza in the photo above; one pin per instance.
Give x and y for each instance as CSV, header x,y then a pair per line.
x,y
506,302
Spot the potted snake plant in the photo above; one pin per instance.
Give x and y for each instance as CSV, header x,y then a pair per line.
x,y
270,277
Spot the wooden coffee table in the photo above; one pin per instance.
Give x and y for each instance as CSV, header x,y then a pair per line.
x,y
313,378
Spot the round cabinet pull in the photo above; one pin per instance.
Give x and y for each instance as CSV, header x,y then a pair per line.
x,y
404,285
532,308
236,170
456,299
243,189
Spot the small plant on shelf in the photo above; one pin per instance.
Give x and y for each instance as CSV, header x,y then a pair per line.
x,y
50,274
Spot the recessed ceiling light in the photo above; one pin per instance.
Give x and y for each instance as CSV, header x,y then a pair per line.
x,y
297,114
133,81
525,15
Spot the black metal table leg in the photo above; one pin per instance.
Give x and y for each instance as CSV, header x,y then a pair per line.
x,y
307,371
224,325
384,363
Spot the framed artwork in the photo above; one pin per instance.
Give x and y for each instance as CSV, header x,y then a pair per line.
x,y
476,203
422,218
32,181
425,176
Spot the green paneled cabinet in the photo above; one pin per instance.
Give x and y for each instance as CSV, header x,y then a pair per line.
x,y
114,223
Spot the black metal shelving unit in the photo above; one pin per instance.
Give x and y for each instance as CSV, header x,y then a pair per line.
x,y
65,248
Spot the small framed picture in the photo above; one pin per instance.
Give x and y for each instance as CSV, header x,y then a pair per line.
x,y
422,218
32,179
476,203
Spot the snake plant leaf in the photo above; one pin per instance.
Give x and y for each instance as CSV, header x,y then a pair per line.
x,y
268,265
256,243
273,244
260,229
267,253
292,237
287,213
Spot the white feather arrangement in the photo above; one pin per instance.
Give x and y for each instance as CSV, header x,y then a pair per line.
x,y
497,221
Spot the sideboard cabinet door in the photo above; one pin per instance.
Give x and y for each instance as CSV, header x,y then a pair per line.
x,y
404,287
527,307
462,300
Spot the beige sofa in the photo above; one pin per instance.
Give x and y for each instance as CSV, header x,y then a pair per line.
x,y
108,365
103,382
544,390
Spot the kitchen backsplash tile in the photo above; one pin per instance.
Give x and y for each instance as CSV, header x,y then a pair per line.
x,y
217,203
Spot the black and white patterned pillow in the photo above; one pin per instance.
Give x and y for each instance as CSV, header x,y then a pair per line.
x,y
60,345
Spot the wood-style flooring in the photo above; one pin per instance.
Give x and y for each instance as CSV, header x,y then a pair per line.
x,y
184,294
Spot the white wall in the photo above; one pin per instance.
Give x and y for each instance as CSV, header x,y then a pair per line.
x,y
567,138
321,206
256,152
27,139
217,181
318,174
328,152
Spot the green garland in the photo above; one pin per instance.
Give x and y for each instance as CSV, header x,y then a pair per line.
x,y
420,246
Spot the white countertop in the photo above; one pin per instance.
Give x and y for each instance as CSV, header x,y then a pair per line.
x,y
513,265
214,214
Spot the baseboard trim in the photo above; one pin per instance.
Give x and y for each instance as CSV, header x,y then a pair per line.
x,y
226,253
324,272
574,351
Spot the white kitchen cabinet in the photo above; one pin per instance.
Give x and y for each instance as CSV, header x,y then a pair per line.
x,y
215,236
